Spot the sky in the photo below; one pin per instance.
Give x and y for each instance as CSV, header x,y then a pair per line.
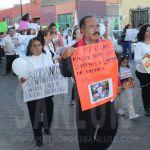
x,y
9,3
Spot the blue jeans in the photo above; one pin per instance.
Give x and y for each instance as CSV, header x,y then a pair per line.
x,y
127,49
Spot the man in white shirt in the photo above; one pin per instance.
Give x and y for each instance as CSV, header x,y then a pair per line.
x,y
9,44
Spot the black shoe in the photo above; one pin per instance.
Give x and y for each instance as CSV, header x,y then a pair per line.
x,y
39,141
147,114
47,131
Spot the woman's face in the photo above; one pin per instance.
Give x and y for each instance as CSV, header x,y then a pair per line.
x,y
48,37
124,63
36,48
147,33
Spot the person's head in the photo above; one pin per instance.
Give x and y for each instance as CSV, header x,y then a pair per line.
x,y
52,28
140,25
144,33
30,32
128,26
35,47
61,31
11,31
77,34
26,17
23,32
123,61
89,26
44,36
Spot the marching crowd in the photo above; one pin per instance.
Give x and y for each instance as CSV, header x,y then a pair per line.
x,y
51,46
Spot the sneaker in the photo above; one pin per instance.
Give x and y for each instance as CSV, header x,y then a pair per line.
x,y
134,116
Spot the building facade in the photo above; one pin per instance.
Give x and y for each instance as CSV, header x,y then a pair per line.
x,y
13,15
135,12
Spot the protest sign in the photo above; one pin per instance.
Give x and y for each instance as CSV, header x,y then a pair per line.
x,y
3,27
131,34
126,79
24,43
23,25
146,64
44,82
96,74
33,26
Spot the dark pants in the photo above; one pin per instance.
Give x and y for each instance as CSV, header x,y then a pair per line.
x,y
144,79
37,107
96,127
1,54
9,61
127,49
72,92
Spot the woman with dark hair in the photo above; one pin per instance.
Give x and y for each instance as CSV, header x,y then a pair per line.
x,y
56,38
47,43
36,58
26,17
142,51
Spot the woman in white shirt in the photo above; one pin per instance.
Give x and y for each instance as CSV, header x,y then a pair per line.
x,y
142,51
47,43
37,58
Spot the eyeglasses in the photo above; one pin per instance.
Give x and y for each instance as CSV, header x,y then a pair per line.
x,y
91,26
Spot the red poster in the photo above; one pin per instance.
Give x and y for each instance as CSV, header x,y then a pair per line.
x,y
96,74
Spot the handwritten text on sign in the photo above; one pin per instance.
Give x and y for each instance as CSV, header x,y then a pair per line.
x,y
44,82
96,71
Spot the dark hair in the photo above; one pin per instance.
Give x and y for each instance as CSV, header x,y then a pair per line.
x,y
29,53
11,28
41,34
74,33
82,21
28,31
142,31
126,27
51,25
123,58
25,17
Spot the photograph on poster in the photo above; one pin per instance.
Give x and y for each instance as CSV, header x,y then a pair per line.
x,y
100,90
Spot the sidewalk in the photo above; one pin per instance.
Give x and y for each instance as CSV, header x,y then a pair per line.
x,y
16,131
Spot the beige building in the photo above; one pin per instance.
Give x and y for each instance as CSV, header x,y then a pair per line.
x,y
135,12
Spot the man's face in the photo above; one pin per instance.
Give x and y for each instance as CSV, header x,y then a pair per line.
x,y
11,32
90,29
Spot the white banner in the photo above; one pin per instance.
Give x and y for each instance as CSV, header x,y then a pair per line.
x,y
44,82
24,43
131,34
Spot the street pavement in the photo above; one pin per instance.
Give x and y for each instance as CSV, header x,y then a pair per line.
x,y
16,132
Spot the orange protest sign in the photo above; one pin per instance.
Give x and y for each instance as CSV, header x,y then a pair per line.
x,y
96,74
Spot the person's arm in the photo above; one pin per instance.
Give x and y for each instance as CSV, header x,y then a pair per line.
x,y
138,53
65,62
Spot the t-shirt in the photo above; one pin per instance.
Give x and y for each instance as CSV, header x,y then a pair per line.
x,y
140,50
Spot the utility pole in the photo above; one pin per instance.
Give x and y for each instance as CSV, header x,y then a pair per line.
x,y
21,8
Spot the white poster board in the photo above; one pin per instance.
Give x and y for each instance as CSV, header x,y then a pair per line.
x,y
44,82
33,26
131,34
25,41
